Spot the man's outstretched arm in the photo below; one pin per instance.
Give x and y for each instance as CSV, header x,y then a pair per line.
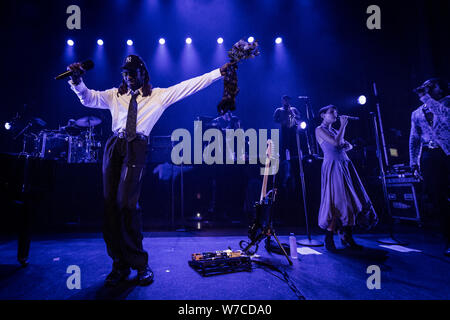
x,y
188,87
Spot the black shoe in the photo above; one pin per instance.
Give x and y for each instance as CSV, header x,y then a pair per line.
x,y
447,252
145,276
329,241
116,276
348,241
23,262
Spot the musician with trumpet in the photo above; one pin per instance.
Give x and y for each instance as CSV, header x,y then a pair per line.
x,y
288,117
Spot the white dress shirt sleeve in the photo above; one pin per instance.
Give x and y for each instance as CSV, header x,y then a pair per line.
x,y
92,98
186,88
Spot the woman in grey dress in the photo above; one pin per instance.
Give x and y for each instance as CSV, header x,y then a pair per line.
x,y
344,201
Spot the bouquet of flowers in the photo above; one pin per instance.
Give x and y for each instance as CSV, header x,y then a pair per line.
x,y
241,50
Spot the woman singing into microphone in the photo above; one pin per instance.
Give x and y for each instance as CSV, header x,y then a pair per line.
x,y
344,201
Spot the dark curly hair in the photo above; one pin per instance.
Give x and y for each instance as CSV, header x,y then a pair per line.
x,y
442,83
146,88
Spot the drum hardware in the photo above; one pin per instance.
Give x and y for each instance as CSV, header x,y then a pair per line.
x,y
74,143
29,140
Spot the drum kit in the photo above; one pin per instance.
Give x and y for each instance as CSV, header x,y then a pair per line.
x,y
75,143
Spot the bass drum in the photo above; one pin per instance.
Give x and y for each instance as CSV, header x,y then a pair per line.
x,y
53,145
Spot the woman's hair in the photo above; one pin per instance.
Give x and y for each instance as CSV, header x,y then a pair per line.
x,y
146,87
326,108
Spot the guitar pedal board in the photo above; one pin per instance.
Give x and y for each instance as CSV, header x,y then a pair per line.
x,y
220,262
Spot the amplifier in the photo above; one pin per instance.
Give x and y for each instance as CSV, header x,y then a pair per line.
x,y
401,178
398,179
403,201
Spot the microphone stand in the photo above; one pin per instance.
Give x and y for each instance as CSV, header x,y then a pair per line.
x,y
23,130
312,143
391,240
24,142
308,242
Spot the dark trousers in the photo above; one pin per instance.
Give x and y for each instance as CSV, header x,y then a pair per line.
x,y
435,167
288,140
123,171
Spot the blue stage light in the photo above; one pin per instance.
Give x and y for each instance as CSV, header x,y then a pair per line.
x,y
278,40
219,40
129,42
70,42
188,41
362,100
100,42
162,41
250,39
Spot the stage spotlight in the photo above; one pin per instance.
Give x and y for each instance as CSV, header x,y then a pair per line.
x,y
8,126
188,40
129,42
162,41
70,42
303,125
278,40
100,42
219,40
362,100
250,39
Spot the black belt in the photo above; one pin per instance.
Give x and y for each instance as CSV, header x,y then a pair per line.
x,y
427,148
123,135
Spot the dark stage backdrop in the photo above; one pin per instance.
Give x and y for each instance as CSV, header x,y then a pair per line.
x,y
327,53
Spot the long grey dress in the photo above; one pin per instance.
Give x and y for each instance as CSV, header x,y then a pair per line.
x,y
342,196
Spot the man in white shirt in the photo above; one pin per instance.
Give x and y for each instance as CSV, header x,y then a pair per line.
x,y
135,108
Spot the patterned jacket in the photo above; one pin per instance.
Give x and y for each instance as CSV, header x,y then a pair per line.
x,y
422,134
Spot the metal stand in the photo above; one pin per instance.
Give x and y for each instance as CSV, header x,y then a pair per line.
x,y
267,234
391,240
305,242
313,147
184,226
262,228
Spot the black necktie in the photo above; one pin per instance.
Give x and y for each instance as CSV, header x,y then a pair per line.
x,y
132,117
428,116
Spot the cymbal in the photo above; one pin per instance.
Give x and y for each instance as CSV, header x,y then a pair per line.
x,y
89,121
71,130
40,122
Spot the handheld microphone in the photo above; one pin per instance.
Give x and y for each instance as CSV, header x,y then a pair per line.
x,y
352,118
86,65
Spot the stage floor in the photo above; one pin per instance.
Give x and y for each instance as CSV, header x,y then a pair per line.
x,y
421,274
